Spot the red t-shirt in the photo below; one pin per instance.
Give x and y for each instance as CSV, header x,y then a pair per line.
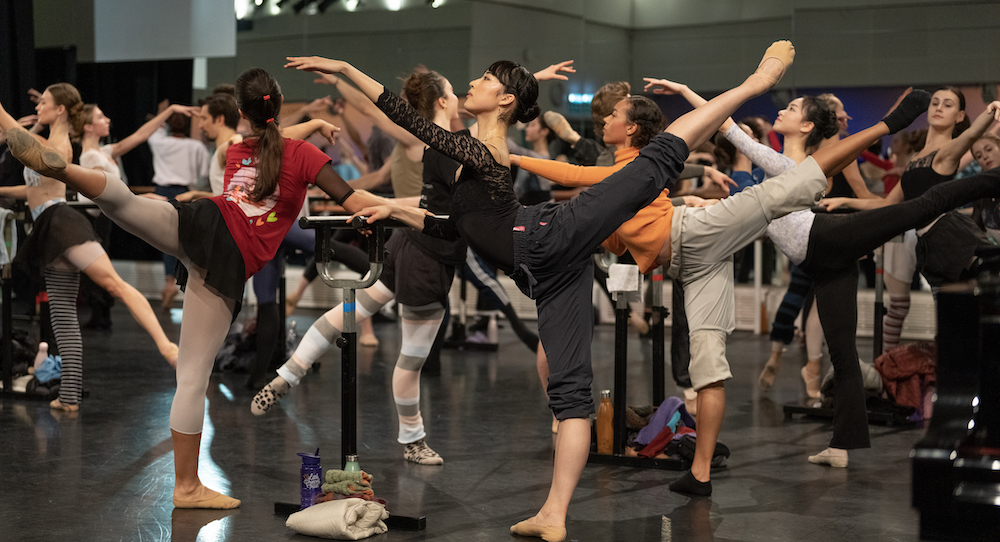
x,y
259,227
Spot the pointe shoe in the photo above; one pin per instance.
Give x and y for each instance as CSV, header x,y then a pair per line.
x,y
829,457
812,383
56,404
30,152
784,52
548,533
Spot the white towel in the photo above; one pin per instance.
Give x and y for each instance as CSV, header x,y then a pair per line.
x,y
345,519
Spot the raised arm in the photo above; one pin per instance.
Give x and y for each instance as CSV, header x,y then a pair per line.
x,y
563,173
303,130
669,88
947,159
358,100
771,161
149,128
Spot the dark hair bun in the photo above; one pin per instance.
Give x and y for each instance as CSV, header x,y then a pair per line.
x,y
831,127
531,114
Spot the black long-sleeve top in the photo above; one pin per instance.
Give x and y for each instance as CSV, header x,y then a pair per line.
x,y
484,207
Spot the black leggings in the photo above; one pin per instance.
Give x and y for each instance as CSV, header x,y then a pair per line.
x,y
836,242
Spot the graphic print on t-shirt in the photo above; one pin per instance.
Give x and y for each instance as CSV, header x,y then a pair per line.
x,y
239,189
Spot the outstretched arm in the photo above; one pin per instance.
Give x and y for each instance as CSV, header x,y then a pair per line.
x,y
148,129
357,99
948,157
669,88
370,87
306,129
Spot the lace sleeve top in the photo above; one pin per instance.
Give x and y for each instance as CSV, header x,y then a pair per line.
x,y
483,208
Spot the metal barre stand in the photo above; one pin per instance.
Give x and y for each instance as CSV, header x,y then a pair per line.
x,y
618,457
348,341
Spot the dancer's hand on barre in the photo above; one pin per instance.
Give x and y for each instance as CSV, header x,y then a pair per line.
x,y
552,72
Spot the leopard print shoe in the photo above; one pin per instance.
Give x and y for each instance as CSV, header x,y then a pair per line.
x,y
269,396
419,452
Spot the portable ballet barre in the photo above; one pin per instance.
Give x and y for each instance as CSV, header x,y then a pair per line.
x,y
618,456
347,342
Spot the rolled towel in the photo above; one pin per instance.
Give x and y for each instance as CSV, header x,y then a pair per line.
x,y
347,519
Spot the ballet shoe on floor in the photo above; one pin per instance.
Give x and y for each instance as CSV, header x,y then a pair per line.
x,y
215,502
830,456
58,405
812,382
549,533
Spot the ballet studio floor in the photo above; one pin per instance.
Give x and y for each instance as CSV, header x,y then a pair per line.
x,y
106,473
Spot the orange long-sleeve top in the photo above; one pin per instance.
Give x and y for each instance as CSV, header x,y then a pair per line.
x,y
642,235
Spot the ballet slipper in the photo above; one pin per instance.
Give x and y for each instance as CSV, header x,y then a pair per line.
x,y
766,379
269,396
368,340
812,382
217,501
167,294
784,52
56,404
530,527
170,353
30,152
638,323
831,456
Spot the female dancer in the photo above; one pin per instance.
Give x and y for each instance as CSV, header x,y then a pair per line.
x,y
267,178
417,273
64,242
547,247
805,124
945,246
986,213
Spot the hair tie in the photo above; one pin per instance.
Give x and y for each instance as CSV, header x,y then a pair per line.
x,y
270,120
267,96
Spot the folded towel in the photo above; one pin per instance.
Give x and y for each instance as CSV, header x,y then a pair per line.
x,y
347,519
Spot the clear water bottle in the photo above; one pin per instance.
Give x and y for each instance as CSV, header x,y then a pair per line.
x,y
312,479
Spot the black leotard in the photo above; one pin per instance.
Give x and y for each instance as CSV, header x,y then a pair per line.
x,y
484,207
920,176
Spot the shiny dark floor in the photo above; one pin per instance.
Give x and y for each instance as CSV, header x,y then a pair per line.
x,y
106,473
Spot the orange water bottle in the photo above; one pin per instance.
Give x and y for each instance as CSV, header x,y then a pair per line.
x,y
605,425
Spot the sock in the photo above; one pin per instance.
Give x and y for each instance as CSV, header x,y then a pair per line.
x,y
689,485
908,110
43,352
892,323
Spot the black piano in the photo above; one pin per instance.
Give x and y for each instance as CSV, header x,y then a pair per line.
x,y
956,466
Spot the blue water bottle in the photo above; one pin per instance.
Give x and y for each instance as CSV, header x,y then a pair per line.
x,y
312,478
